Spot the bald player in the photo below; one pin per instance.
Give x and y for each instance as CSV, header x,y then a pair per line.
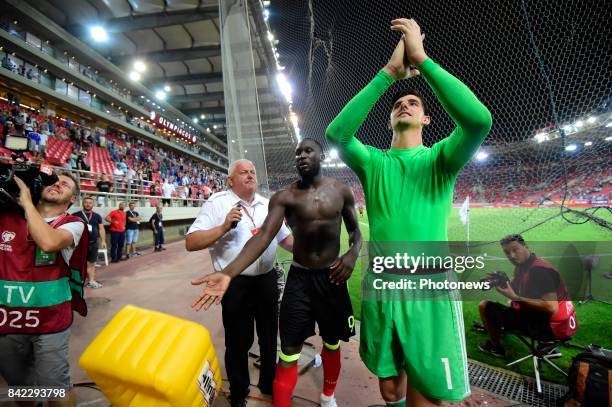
x,y
316,289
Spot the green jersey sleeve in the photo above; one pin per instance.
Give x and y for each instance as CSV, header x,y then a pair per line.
x,y
471,117
341,131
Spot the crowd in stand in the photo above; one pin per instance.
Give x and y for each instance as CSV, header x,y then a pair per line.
x,y
512,183
537,182
139,167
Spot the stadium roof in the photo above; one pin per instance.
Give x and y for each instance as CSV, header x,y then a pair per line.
x,y
179,42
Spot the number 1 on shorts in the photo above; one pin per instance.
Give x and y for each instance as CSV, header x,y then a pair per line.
x,y
449,382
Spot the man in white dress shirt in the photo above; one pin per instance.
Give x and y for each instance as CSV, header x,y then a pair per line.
x,y
226,222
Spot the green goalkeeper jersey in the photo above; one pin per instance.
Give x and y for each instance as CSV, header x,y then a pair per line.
x,y
409,192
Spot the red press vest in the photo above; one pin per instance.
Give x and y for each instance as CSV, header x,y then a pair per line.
x,y
563,323
17,264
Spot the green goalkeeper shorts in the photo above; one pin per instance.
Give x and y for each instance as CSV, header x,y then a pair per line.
x,y
415,331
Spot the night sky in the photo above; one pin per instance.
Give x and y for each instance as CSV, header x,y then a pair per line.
x,y
485,44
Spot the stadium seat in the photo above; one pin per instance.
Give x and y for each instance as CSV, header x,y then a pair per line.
x,y
100,160
58,150
144,358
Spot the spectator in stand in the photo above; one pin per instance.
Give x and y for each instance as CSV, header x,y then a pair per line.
x,y
67,165
103,186
51,125
131,180
27,121
141,179
154,191
8,63
42,145
118,178
123,165
75,137
184,194
167,191
8,129
81,164
158,229
117,220
33,140
85,136
97,238
91,140
131,233
73,159
198,197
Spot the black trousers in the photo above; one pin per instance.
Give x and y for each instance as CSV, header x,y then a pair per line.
x,y
250,301
158,237
117,243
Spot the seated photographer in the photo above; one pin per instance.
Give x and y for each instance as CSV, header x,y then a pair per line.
x,y
539,303
43,255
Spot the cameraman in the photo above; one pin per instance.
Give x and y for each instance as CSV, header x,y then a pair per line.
x,y
43,253
535,293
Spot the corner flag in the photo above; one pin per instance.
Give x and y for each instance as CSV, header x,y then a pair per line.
x,y
465,210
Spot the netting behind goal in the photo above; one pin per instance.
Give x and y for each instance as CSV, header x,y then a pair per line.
x,y
541,67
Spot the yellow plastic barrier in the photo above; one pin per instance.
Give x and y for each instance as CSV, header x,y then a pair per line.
x,y
147,358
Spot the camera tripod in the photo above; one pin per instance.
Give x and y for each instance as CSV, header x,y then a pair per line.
x,y
590,262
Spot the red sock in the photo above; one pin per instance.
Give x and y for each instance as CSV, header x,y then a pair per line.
x,y
285,380
331,370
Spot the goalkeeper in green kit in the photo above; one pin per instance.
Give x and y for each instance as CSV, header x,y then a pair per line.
x,y
415,347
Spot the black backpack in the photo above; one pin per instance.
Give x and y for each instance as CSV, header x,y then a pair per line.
x,y
590,378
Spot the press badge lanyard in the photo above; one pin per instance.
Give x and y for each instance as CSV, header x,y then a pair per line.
x,y
89,227
255,229
249,215
88,217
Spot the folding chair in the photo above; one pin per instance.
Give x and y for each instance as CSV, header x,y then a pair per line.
x,y
541,350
